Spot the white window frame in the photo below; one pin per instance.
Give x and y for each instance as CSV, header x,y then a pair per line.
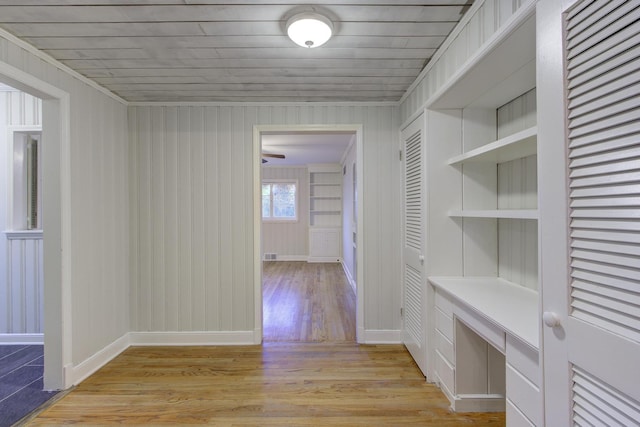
x,y
297,203
17,205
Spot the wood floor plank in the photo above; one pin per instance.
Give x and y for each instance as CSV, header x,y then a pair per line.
x,y
307,302
277,384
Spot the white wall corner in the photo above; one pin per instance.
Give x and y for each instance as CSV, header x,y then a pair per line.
x,y
76,374
193,338
385,336
22,339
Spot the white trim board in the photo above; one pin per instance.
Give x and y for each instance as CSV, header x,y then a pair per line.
x,y
24,339
386,336
191,338
78,373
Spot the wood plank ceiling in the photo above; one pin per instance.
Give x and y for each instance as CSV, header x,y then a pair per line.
x,y
214,50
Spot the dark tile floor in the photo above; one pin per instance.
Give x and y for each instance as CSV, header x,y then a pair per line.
x,y
21,368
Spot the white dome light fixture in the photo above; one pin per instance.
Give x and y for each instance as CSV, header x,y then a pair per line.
x,y
309,29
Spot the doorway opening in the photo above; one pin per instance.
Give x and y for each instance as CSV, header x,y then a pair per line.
x,y
53,155
306,233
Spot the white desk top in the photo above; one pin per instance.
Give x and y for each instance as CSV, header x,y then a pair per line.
x,y
512,307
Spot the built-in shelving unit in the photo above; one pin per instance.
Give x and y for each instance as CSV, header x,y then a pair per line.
x,y
325,212
484,232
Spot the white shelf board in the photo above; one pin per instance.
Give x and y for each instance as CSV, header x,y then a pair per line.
x,y
503,69
496,213
512,307
516,146
319,184
325,197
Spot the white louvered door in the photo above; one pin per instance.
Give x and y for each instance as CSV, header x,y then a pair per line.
x,y
414,281
602,64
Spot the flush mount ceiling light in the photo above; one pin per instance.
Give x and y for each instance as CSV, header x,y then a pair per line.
x,y
309,29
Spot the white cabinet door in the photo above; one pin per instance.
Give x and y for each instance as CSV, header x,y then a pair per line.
x,y
414,280
590,226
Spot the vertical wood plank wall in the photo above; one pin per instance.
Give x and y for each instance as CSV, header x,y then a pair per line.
x,y
21,273
518,189
289,240
192,212
463,43
99,205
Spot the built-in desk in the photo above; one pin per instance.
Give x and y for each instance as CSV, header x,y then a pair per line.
x,y
486,340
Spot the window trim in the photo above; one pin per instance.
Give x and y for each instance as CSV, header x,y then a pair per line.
x,y
297,200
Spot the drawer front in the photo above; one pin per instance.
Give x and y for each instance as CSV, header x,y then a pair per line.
x,y
524,395
487,330
515,418
524,359
445,347
443,303
444,324
446,373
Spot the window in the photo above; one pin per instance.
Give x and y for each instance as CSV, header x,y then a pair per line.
x,y
280,200
26,180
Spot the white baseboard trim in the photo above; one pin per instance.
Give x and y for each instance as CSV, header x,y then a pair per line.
x,y
24,339
77,374
324,259
349,277
479,403
289,258
391,336
192,338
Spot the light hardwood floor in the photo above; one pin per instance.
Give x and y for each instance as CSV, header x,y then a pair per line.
x,y
277,384
307,302
335,382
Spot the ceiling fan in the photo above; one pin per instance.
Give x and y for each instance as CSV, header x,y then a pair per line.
x,y
275,156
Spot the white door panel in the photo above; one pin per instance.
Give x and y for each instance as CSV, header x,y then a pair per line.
x,y
414,280
592,349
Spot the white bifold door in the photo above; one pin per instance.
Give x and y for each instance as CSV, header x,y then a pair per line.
x,y
414,280
592,340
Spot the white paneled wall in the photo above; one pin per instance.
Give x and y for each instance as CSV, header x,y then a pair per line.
x,y
289,240
192,212
21,273
518,189
99,273
486,18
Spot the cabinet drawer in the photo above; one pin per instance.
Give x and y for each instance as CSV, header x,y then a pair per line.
x,y
445,372
444,324
524,359
515,418
524,395
443,303
445,347
487,330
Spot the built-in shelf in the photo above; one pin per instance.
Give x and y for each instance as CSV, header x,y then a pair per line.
x,y
313,184
496,213
325,198
518,145
512,307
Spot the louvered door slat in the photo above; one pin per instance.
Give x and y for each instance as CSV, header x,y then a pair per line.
x,y
611,156
607,236
606,225
601,404
609,20
605,135
413,192
619,43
